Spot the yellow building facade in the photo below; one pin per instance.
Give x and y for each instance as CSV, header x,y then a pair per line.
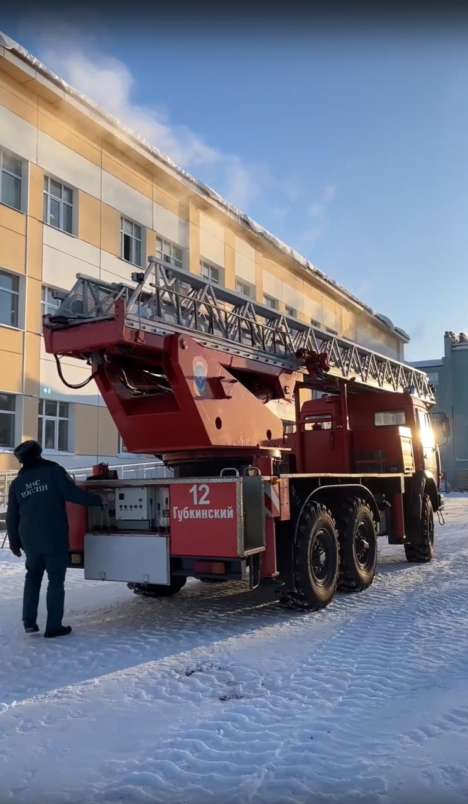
x,y
80,194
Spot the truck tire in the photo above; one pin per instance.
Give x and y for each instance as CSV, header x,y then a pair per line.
x,y
157,590
214,580
357,534
315,558
424,552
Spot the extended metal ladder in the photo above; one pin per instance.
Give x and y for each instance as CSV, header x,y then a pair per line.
x,y
166,299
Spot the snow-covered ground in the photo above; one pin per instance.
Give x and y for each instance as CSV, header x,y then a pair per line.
x,y
220,696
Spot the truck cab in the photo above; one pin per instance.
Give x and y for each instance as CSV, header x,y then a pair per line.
x,y
380,432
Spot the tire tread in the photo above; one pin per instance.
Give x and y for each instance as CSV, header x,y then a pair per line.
x,y
349,580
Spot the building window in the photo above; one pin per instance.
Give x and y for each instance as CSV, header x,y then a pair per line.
x,y
433,377
7,420
169,253
244,288
9,299
11,176
49,305
130,241
210,272
58,205
290,311
53,425
270,302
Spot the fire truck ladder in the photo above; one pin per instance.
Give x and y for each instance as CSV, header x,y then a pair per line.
x,y
167,300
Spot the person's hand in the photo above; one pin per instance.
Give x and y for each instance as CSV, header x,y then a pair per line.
x,y
16,552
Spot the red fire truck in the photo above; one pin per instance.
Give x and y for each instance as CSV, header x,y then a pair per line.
x,y
186,371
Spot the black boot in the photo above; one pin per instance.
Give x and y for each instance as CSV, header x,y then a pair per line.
x,y
31,628
64,630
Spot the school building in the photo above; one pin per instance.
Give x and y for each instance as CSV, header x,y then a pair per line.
x,y
81,194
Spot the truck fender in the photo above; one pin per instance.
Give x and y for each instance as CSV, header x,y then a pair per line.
x,y
423,482
330,494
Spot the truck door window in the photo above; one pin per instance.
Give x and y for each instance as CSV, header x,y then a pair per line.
x,y
386,418
320,422
425,425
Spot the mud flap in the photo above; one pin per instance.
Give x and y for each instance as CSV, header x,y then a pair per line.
x,y
413,503
255,570
285,554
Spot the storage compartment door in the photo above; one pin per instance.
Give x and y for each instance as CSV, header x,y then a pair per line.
x,y
126,557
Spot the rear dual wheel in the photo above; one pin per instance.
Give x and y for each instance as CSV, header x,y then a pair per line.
x,y
315,560
358,546
159,590
331,553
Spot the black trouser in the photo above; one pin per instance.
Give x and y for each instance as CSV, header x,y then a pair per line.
x,y
55,564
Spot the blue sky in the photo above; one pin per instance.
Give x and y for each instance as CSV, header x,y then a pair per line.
x,y
352,148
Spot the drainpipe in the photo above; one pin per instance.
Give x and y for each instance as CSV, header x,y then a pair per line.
x,y
25,306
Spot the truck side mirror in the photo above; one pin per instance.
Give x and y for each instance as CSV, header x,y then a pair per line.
x,y
445,426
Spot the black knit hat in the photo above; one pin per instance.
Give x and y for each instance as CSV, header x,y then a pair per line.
x,y
28,451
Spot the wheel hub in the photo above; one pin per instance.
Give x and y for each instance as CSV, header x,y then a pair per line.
x,y
320,560
362,547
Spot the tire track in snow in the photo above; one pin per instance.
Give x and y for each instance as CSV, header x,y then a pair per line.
x,y
292,743
315,724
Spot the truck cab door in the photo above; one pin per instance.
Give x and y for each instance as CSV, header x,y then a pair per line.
x,y
428,444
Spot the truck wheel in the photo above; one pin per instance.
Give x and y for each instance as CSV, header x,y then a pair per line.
x,y
214,580
157,590
424,552
357,535
316,560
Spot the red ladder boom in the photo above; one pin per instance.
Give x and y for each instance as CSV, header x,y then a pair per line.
x,y
185,367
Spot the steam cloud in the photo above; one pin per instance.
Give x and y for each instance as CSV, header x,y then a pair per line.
x,y
72,52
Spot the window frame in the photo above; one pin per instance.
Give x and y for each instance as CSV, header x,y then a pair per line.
x,y
20,178
13,413
133,240
242,285
47,195
160,254
43,417
211,266
123,452
290,311
14,294
267,298
46,306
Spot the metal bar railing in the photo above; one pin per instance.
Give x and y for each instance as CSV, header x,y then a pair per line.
x,y
130,471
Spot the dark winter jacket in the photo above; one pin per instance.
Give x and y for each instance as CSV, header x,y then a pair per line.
x,y
36,519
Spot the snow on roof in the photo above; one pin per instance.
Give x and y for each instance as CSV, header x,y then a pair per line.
x,y
202,189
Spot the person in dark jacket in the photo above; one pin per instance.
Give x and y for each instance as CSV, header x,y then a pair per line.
x,y
37,523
